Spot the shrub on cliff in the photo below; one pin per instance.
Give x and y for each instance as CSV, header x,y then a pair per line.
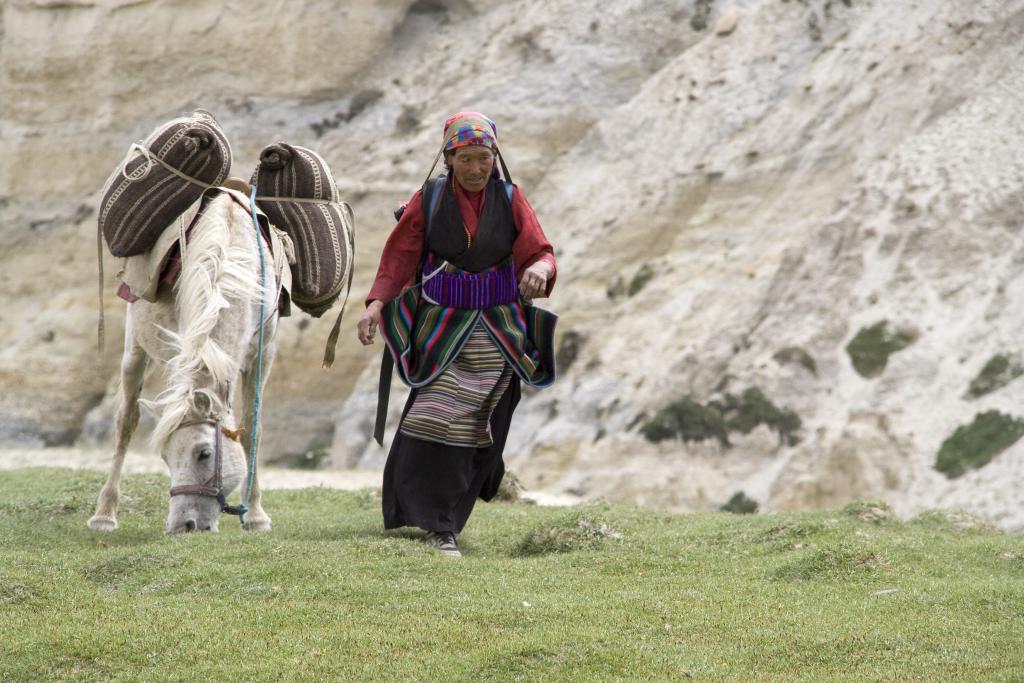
x,y
973,446
689,420
999,371
870,349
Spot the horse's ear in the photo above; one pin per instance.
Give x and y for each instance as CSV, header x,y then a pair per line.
x,y
202,403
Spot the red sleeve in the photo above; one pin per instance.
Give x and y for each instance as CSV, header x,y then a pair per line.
x,y
402,254
531,244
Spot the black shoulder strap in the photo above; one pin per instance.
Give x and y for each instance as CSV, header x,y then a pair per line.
x,y
431,196
383,393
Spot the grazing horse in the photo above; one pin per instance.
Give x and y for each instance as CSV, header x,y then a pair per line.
x,y
205,330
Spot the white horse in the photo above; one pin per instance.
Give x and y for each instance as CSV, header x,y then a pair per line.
x,y
205,330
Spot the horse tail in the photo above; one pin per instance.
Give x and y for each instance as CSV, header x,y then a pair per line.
x,y
219,271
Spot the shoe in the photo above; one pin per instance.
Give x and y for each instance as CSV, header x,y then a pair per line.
x,y
443,542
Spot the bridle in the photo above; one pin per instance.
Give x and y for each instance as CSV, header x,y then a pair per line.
x,y
214,486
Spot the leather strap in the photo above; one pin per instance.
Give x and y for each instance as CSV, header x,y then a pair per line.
x,y
387,364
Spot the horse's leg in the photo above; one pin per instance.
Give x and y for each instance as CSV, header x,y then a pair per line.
x,y
256,519
133,369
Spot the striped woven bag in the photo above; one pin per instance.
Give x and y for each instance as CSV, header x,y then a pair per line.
x,y
159,179
296,189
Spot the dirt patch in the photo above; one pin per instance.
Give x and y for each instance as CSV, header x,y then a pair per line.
x,y
270,477
136,462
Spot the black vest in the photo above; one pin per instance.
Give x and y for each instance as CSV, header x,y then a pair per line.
x,y
495,233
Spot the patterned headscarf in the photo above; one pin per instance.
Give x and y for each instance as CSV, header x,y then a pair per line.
x,y
469,128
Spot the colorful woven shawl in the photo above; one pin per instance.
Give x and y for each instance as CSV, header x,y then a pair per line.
x,y
424,338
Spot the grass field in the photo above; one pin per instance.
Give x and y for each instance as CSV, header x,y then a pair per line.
x,y
599,593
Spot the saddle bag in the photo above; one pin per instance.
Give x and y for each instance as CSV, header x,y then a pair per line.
x,y
296,190
159,179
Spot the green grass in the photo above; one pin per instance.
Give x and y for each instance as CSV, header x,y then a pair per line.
x,y
598,593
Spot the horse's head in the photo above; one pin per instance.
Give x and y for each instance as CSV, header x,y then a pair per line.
x,y
206,463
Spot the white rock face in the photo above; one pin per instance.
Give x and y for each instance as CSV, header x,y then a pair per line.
x,y
735,190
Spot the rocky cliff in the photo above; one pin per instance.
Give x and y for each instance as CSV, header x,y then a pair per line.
x,y
788,231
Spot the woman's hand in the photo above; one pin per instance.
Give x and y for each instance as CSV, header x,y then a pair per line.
x,y
534,281
368,322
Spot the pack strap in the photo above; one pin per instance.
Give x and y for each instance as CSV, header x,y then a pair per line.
x,y
436,188
504,172
387,364
332,338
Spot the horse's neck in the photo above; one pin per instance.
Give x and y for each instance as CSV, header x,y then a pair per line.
x,y
216,303
219,286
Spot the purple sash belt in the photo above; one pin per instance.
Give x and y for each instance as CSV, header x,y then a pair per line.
x,y
471,290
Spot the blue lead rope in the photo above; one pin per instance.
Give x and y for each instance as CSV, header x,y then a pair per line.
x,y
256,399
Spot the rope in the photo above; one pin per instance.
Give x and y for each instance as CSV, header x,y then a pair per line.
x,y
504,168
300,200
100,325
182,237
431,276
434,165
256,399
142,149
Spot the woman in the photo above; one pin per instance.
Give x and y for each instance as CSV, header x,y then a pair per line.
x,y
451,299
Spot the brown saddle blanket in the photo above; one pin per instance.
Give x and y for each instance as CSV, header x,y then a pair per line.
x,y
143,274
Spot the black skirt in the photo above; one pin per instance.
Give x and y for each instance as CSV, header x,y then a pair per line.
x,y
434,486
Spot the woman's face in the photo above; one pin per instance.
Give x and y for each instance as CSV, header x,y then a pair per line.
x,y
472,166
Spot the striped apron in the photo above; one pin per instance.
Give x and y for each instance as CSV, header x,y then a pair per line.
x,y
455,409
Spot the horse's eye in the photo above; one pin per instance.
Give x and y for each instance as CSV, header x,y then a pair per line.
x,y
205,453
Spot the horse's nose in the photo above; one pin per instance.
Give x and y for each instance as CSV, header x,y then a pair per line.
x,y
190,525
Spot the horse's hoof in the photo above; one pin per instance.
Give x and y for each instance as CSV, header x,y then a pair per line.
x,y
98,523
257,525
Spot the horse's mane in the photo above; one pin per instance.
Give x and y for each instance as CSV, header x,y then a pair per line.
x,y
219,271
